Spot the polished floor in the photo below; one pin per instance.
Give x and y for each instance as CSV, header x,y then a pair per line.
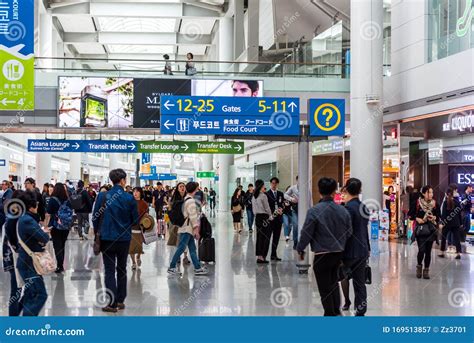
x,y
237,286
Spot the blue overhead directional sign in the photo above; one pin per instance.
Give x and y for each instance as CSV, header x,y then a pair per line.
x,y
159,176
62,145
243,116
326,117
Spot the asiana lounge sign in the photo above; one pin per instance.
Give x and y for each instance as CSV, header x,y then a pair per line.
x,y
462,122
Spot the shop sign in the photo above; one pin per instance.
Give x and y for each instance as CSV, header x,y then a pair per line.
x,y
461,175
458,156
17,87
460,122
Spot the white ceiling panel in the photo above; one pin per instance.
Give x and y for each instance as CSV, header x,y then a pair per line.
x,y
194,49
140,49
78,23
89,48
110,24
197,27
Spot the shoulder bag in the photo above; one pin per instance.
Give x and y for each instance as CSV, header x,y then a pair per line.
x,y
424,230
43,261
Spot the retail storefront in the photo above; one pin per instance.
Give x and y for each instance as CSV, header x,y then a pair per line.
x,y
441,150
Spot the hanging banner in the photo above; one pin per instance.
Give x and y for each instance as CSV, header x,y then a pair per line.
x,y
17,55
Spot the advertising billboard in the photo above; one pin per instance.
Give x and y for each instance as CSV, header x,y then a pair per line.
x,y
99,102
107,102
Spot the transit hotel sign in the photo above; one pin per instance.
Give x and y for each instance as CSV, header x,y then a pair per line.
x,y
17,55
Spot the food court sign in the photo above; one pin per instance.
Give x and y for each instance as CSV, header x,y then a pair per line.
x,y
463,122
17,55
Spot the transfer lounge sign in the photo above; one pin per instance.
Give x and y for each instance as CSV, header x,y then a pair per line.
x,y
16,55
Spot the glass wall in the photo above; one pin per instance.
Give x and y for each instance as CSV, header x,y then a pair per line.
x,y
451,28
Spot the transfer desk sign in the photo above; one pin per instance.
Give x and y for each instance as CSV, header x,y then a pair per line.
x,y
17,55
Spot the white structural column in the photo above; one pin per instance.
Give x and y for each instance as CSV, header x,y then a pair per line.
x,y
46,38
207,165
75,161
43,168
253,30
226,42
366,92
239,43
225,161
304,201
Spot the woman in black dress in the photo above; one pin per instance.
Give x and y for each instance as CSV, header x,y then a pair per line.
x,y
237,206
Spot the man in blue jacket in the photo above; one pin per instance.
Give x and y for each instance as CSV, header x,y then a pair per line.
x,y
327,228
115,212
6,195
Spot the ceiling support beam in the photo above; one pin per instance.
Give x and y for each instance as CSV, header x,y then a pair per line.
x,y
132,38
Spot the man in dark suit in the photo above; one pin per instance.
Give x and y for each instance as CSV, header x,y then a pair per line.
x,y
275,200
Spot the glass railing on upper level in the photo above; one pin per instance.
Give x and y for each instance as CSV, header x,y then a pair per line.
x,y
124,67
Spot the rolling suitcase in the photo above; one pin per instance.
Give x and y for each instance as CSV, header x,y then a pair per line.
x,y
207,250
161,227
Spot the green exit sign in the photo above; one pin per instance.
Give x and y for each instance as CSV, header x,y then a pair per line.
x,y
205,174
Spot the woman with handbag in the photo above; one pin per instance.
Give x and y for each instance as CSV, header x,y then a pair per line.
x,y
178,194
263,214
136,244
425,233
32,240
452,220
236,206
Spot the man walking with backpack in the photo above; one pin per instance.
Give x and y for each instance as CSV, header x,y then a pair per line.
x,y
81,203
188,222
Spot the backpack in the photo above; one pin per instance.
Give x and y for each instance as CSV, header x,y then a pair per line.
x,y
64,216
205,230
76,201
176,214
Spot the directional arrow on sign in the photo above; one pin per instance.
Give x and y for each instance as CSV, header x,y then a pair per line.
x,y
132,146
167,124
292,106
5,101
238,148
185,147
167,104
76,146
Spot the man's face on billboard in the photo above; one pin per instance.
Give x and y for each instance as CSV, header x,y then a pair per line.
x,y
242,89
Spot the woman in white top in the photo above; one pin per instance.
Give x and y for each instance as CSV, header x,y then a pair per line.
x,y
263,215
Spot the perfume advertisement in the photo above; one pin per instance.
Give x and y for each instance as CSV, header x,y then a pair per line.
x,y
105,102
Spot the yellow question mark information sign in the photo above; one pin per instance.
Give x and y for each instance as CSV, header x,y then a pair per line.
x,y
327,112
